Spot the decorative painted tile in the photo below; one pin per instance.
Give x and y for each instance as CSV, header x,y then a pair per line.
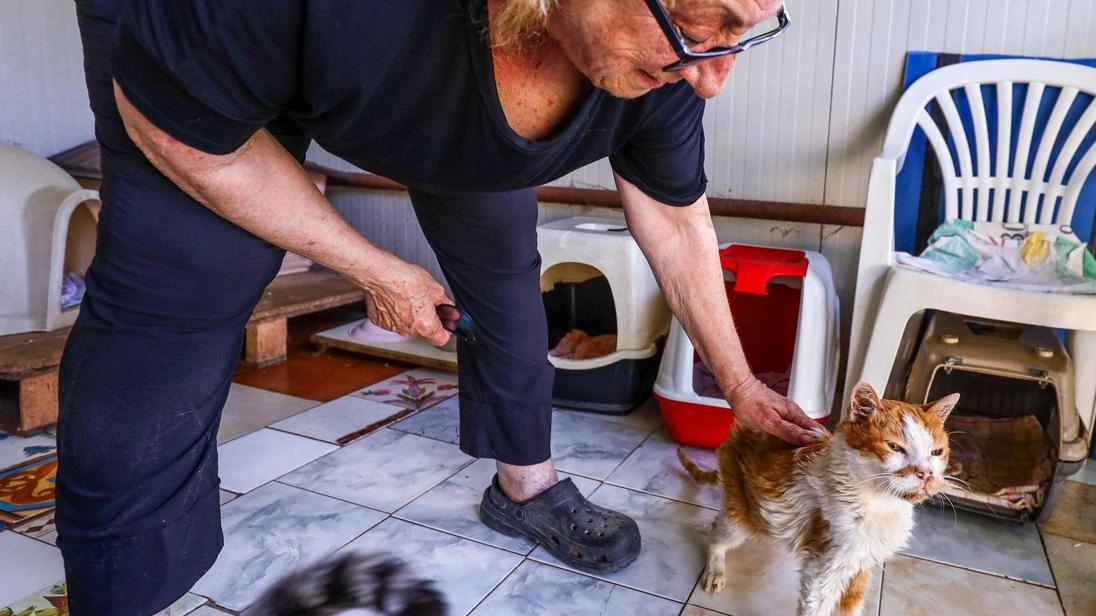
x,y
29,565
1074,514
273,530
655,469
672,556
416,389
587,445
914,587
342,420
453,507
1087,474
17,450
28,490
1073,563
50,600
982,543
254,459
249,409
763,579
385,470
42,528
440,422
464,571
539,590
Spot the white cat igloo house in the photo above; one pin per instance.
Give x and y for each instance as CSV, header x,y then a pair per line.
x,y
42,234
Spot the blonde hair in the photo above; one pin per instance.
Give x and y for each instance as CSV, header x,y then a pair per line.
x,y
521,22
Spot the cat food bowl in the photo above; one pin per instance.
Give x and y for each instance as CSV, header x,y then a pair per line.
x,y
787,316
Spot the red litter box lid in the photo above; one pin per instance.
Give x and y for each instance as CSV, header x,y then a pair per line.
x,y
754,266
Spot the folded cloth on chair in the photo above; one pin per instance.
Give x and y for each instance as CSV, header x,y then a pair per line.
x,y
1047,258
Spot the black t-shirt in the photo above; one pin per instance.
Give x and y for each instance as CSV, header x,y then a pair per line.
x,y
402,88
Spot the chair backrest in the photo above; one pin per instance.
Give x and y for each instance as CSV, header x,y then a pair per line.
x,y
1001,157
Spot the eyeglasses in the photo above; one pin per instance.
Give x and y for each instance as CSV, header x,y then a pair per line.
x,y
688,57
456,322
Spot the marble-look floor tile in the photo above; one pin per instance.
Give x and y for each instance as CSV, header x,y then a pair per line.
x,y
188,604
416,389
453,506
915,587
763,580
1087,474
28,566
249,409
587,445
673,533
464,571
973,541
440,422
1074,567
18,449
385,470
1074,514
207,610
273,530
695,610
655,469
646,416
340,417
257,458
535,589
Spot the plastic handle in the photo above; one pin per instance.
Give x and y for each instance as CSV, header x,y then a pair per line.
x,y
754,266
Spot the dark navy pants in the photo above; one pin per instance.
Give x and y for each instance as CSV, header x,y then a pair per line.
x,y
149,362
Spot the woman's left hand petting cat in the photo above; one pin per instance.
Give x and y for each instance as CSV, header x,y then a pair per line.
x,y
757,406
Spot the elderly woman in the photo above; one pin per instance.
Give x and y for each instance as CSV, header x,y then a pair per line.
x,y
204,110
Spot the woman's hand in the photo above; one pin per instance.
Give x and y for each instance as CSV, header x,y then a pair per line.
x,y
403,297
760,407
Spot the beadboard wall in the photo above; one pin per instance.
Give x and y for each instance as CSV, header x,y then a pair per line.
x,y
800,119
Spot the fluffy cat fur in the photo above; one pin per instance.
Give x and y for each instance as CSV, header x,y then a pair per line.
x,y
843,505
352,580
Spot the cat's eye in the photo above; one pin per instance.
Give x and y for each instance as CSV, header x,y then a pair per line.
x,y
937,452
895,447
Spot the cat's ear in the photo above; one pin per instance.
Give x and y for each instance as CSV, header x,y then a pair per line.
x,y
943,407
863,403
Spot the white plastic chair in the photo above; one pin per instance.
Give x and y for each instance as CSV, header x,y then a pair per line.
x,y
887,297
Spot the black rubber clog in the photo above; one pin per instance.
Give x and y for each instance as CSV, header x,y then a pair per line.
x,y
576,531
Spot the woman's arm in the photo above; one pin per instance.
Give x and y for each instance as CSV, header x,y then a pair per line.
x,y
681,246
263,189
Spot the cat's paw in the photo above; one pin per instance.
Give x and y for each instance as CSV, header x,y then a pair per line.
x,y
713,581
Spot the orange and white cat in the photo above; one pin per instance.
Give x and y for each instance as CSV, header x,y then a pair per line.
x,y
843,505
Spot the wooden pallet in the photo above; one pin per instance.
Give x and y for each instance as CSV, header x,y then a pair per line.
x,y
29,362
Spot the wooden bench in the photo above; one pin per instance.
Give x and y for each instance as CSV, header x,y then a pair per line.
x,y
29,362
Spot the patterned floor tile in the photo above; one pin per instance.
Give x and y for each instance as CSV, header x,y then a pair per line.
x,y
15,450
673,542
275,529
343,419
249,409
440,422
535,589
588,445
385,470
1074,515
982,543
29,565
915,587
655,469
27,490
1074,565
416,389
453,507
257,458
464,571
763,579
42,528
